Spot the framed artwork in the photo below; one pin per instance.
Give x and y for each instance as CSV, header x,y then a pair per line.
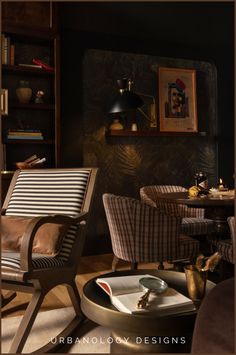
x,y
177,100
4,102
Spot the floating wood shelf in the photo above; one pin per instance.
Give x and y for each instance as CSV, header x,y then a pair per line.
x,y
152,133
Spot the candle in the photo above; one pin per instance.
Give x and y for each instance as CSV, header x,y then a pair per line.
x,y
221,185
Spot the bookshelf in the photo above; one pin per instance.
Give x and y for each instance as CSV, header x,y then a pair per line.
x,y
29,37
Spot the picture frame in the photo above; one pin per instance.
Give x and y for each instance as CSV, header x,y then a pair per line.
x,y
177,100
4,102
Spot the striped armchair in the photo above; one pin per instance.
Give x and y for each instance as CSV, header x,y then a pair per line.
x,y
193,221
141,233
226,246
55,196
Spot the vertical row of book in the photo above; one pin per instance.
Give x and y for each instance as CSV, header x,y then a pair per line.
x,y
7,50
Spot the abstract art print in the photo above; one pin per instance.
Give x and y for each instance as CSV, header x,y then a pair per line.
x,y
177,100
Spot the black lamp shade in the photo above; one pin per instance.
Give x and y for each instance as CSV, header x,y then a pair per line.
x,y
125,101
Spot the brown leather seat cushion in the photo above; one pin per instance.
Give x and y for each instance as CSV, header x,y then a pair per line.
x,y
47,239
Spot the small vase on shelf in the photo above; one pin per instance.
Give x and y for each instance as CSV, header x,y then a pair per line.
x,y
24,92
116,125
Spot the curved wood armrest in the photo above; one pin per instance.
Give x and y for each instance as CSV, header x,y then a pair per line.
x,y
33,226
3,211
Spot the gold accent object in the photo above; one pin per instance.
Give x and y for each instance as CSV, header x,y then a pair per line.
x,y
196,282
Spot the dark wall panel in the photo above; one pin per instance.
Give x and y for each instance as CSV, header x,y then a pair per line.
x,y
127,163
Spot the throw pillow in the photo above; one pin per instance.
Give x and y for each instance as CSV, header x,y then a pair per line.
x,y
47,239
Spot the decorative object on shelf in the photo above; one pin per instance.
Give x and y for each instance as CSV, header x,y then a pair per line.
x,y
177,100
32,162
4,102
128,100
43,65
116,125
134,127
39,97
24,92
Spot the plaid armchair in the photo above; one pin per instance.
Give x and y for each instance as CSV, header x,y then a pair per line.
x,y
226,246
141,233
193,221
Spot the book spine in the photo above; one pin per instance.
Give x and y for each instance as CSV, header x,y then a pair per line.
x,y
24,130
25,137
12,54
6,43
25,134
30,65
2,47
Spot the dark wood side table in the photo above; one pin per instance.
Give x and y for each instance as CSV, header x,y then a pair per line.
x,y
141,333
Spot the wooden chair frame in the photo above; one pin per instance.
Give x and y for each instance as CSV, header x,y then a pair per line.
x,y
40,281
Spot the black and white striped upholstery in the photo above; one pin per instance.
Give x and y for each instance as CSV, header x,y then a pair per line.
x,y
47,192
141,233
193,221
226,246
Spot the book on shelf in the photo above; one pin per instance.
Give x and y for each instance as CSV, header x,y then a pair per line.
x,y
5,48
30,65
20,130
32,137
125,292
25,134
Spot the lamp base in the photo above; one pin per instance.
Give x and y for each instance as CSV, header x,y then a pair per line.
x,y
116,125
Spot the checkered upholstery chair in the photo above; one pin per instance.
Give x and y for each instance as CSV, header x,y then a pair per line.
x,y
141,233
226,246
193,221
60,196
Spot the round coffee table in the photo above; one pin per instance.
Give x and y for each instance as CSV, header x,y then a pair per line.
x,y
141,333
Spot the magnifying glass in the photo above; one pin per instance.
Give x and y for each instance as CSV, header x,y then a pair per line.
x,y
150,284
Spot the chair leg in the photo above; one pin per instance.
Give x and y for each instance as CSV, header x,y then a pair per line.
x,y
75,298
114,263
27,322
134,265
160,266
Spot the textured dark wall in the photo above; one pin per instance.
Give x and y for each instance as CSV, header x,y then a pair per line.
x,y
127,163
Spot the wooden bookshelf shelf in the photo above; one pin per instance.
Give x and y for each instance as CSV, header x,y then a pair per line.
x,y
32,106
151,133
29,141
19,70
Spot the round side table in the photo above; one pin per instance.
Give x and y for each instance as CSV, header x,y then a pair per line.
x,y
142,333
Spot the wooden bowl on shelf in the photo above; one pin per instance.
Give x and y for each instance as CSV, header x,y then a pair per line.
x,y
22,165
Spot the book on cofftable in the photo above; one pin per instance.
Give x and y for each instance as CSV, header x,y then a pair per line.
x,y
125,292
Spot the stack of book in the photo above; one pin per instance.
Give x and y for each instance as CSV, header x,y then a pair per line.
x,y
33,134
